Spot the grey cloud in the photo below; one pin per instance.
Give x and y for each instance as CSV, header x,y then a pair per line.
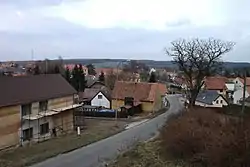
x,y
76,42
30,3
50,37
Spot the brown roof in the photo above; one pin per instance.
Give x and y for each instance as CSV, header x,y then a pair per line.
x,y
140,91
90,93
247,81
107,71
27,89
248,89
162,88
215,83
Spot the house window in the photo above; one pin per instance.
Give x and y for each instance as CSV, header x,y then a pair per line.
x,y
221,101
129,101
27,134
236,82
217,101
26,109
44,128
99,96
43,105
221,90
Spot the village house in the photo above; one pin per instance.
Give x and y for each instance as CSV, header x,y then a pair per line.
x,y
239,89
210,98
216,83
129,94
34,108
96,95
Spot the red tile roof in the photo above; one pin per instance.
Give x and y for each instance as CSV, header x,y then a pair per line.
x,y
248,89
215,83
140,91
247,81
71,67
162,88
107,71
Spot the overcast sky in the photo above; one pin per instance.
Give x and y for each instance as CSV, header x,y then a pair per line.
x,y
131,29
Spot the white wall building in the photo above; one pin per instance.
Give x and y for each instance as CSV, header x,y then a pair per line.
x,y
100,100
210,98
239,89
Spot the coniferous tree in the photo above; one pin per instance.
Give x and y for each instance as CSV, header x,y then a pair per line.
x,y
67,74
56,69
101,77
36,70
75,78
152,77
91,69
82,82
247,73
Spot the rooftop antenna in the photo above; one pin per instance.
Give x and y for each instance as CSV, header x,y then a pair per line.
x,y
32,54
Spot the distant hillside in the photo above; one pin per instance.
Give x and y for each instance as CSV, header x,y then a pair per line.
x,y
105,63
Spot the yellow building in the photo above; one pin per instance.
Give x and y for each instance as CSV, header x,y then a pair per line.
x,y
34,108
149,95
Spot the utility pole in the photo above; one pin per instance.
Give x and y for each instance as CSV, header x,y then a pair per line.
x,y
32,54
244,94
46,66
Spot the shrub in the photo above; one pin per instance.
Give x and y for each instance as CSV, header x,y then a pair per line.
x,y
203,137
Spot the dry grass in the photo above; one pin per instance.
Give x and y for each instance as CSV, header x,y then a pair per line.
x,y
204,138
23,156
145,154
198,138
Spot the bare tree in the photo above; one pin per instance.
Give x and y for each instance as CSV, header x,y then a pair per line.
x,y
198,58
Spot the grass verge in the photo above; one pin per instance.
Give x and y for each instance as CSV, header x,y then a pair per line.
x,y
144,155
24,156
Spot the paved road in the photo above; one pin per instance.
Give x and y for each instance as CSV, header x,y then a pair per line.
x,y
96,154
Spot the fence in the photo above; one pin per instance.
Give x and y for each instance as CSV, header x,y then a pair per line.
x,y
91,111
111,114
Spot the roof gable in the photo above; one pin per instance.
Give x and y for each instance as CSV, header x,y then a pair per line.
x,y
90,93
27,89
103,93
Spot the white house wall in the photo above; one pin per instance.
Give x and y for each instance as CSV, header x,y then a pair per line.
x,y
219,102
238,95
104,102
238,83
206,105
230,86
